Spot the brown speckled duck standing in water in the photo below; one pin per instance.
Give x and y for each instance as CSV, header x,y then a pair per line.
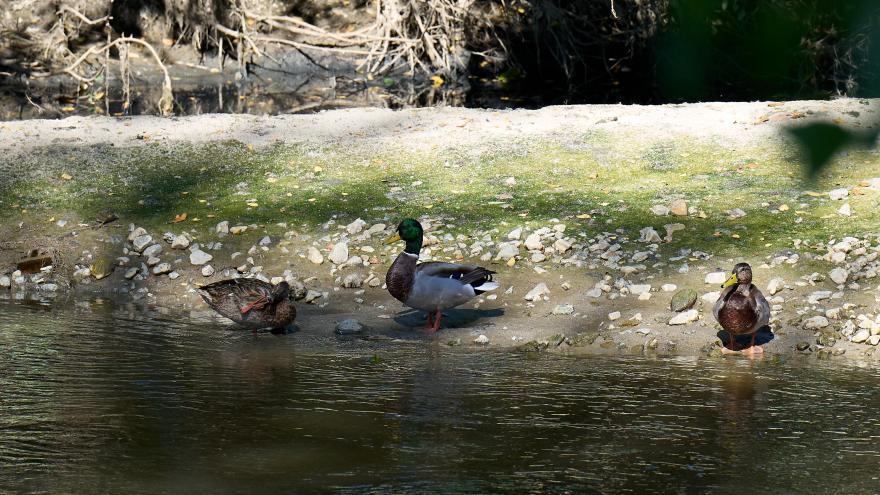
x,y
741,309
251,303
432,286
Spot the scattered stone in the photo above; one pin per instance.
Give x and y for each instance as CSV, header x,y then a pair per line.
x,y
222,227
481,339
311,296
711,297
775,285
594,293
679,208
819,295
538,257
180,242
238,229
131,272
161,268
507,251
142,241
683,300
565,286
563,309
716,278
638,289
207,270
688,316
101,268
861,336
339,254
353,281
838,194
198,257
649,235
672,228
874,339
265,241
152,251
815,323
356,227
802,346
561,246
736,213
640,256
614,315
533,242
838,276
136,232
349,327
5,282
660,210
510,181
668,287
845,210
538,292
315,256
515,234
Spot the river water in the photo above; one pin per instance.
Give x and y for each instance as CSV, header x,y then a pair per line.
x,y
104,398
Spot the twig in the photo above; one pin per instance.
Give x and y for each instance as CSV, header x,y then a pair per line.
x,y
67,8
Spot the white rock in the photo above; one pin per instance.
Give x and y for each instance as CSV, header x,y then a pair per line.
x,y
538,257
135,233
684,318
265,241
716,278
339,253
198,257
515,234
538,292
838,194
481,339
736,213
238,229
711,297
533,242
142,241
845,210
874,339
180,242
563,309
561,246
775,285
644,296
819,295
315,256
506,251
5,282
861,336
838,275
594,293
640,256
660,210
153,250
207,270
161,268
648,234
614,315
356,227
668,287
815,323
639,288
222,227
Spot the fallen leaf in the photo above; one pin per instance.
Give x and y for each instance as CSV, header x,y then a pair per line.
x,y
437,81
66,176
776,104
253,204
179,218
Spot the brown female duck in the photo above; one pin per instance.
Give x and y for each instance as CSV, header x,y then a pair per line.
x,y
251,303
741,309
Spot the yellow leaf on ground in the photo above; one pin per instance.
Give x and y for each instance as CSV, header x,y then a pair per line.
x,y
437,81
179,218
66,176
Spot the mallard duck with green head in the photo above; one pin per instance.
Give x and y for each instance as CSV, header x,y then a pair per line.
x,y
741,309
432,286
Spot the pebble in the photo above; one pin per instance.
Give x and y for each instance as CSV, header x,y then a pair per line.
x,y
142,241
563,309
648,234
688,316
594,292
198,257
711,297
207,270
339,254
315,256
683,300
538,292
265,241
640,256
874,339
152,251
638,289
614,315
507,251
510,181
222,227
533,242
716,278
845,210
311,296
838,194
861,336
736,213
561,246
348,327
819,295
481,339
775,285
660,210
5,282
238,229
815,323
668,287
180,242
838,276
679,208
161,268
356,227
515,234
538,257
135,233
353,281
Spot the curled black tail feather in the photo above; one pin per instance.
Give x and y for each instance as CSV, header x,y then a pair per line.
x,y
477,277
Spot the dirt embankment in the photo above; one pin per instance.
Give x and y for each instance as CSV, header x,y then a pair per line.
x,y
612,208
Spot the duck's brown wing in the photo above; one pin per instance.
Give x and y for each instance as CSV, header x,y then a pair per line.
x,y
228,297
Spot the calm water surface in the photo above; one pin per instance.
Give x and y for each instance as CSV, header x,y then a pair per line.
x,y
97,398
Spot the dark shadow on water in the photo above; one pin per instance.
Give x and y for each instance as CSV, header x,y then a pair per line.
x,y
452,318
762,336
289,329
